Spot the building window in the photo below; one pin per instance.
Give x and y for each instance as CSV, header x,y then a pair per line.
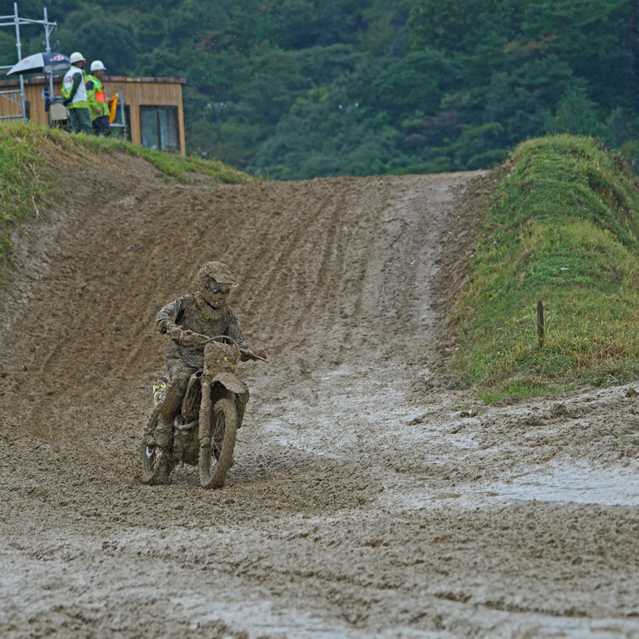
x,y
160,128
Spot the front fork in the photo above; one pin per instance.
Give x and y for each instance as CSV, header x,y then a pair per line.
x,y
204,427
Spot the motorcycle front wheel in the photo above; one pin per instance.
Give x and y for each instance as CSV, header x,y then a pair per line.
x,y
216,458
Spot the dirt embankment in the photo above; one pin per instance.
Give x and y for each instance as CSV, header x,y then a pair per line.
x,y
365,500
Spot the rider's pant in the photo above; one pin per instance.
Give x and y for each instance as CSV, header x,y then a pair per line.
x,y
179,375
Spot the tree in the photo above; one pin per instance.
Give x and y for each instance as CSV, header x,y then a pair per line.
x,y
576,113
296,88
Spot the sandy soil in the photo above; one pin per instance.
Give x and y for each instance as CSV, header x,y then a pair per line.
x,y
367,498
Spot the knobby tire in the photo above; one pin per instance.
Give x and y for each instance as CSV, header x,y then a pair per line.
x,y
225,409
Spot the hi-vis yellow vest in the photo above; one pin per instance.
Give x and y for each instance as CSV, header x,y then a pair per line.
x,y
80,100
98,104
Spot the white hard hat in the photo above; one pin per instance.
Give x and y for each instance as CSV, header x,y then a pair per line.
x,y
76,56
97,65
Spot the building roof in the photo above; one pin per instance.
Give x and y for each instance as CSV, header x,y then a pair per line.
x,y
41,79
146,79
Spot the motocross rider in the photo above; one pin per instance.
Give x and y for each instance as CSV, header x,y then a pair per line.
x,y
189,321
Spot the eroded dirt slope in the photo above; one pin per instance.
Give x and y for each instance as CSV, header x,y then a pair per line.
x,y
366,499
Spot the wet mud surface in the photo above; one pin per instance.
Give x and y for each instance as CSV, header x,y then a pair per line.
x,y
367,499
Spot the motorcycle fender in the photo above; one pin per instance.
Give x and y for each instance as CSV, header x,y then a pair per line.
x,y
231,382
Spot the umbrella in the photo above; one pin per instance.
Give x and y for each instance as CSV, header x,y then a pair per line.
x,y
41,63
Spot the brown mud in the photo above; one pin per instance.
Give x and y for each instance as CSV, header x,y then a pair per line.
x,y
367,499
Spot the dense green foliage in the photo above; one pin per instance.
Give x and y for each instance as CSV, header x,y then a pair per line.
x,y
26,176
563,227
300,88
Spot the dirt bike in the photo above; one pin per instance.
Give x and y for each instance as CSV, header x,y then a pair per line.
x,y
205,429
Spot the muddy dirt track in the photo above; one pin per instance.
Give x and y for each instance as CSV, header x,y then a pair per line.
x,y
367,499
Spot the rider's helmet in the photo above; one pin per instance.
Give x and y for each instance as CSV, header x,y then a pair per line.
x,y
215,281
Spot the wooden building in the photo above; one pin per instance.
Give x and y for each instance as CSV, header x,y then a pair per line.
x,y
153,107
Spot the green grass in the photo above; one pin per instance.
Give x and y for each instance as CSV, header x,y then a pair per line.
x,y
28,165
562,226
170,164
21,182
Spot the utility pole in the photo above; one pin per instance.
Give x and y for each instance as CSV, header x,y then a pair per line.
x,y
23,102
48,28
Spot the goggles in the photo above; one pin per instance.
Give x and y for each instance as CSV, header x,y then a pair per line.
x,y
216,288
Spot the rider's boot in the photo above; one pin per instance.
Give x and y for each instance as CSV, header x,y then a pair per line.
x,y
163,435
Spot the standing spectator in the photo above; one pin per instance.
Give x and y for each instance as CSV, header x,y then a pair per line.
x,y
74,93
98,103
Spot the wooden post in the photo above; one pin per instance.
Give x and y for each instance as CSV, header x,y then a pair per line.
x,y
541,324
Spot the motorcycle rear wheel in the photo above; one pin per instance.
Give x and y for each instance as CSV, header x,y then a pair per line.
x,y
215,462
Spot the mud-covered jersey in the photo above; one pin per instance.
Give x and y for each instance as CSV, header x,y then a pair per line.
x,y
191,312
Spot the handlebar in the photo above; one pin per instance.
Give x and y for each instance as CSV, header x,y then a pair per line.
x,y
227,338
223,338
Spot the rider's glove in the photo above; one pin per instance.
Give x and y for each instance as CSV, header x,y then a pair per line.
x,y
175,333
190,338
248,355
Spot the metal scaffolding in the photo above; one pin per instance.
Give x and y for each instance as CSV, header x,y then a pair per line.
x,y
17,96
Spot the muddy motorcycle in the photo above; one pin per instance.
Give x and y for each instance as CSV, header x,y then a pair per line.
x,y
205,429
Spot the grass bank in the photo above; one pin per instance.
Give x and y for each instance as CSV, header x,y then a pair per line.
x,y
170,164
21,183
27,168
562,226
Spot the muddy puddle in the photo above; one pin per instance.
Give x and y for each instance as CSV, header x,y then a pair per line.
x,y
563,482
256,616
574,483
